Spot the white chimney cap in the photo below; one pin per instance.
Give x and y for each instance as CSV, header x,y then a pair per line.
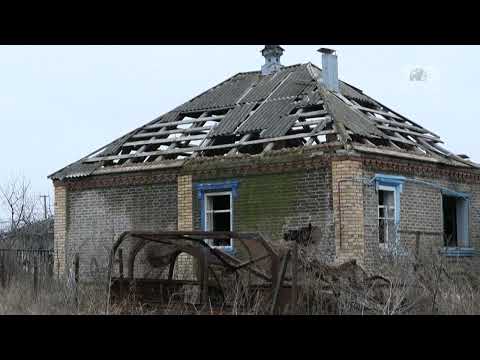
x,y
326,51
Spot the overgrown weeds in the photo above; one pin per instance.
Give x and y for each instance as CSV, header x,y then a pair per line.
x,y
410,285
59,297
402,284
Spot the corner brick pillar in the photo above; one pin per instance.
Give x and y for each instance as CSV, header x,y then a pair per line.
x,y
348,210
185,199
184,266
60,229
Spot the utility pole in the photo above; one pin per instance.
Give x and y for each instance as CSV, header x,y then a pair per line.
x,y
44,197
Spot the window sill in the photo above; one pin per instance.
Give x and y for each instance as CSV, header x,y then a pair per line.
x,y
458,252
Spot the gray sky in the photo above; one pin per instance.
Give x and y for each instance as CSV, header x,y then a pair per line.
x,y
59,103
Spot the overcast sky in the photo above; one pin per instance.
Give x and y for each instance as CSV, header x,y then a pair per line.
x,y
59,103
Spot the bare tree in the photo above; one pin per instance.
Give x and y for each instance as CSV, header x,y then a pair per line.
x,y
18,202
24,211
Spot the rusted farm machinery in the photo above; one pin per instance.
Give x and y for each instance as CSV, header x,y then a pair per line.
x,y
265,265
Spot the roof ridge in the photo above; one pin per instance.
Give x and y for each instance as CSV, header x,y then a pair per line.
x,y
185,104
282,69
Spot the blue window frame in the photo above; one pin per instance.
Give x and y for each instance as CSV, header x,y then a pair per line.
x,y
456,207
389,188
213,205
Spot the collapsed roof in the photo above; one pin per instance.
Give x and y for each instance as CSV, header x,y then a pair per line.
x,y
251,113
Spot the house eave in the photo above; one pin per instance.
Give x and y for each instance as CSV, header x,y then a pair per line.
x,y
411,156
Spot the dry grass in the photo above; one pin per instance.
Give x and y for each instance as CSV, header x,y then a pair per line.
x,y
59,297
432,284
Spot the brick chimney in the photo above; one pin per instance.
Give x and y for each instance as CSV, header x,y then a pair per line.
x,y
272,54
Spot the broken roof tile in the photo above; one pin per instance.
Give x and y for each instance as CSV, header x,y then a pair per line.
x,y
208,121
266,116
232,120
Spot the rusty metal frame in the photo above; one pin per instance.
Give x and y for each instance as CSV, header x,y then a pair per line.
x,y
197,247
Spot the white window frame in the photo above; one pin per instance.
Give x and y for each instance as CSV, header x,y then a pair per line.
x,y
207,212
392,189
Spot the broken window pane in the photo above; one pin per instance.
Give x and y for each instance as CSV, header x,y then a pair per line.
x,y
218,216
386,216
380,197
221,202
381,231
221,222
455,221
381,212
450,221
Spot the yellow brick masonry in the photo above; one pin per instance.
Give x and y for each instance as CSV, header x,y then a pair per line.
x,y
60,229
348,210
184,264
185,198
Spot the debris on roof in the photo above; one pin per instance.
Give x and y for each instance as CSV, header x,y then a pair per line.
x,y
254,113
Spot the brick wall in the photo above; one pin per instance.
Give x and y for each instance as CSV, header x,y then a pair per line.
x,y
184,193
347,190
97,216
275,203
270,201
60,229
420,210
184,266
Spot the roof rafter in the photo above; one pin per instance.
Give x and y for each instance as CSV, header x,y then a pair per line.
x,y
289,108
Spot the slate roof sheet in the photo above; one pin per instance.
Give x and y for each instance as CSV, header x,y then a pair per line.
x,y
251,103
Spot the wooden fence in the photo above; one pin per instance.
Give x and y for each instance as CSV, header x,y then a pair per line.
x,y
27,260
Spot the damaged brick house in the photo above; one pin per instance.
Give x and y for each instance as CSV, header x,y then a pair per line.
x,y
271,151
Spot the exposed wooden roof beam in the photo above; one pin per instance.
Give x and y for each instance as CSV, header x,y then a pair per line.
x,y
379,112
311,114
175,131
401,139
311,122
394,145
395,153
166,141
183,122
411,133
244,138
214,147
446,153
401,125
403,117
368,142
170,148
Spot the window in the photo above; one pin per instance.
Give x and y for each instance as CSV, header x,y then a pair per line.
x,y
386,215
216,208
455,221
218,215
389,188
